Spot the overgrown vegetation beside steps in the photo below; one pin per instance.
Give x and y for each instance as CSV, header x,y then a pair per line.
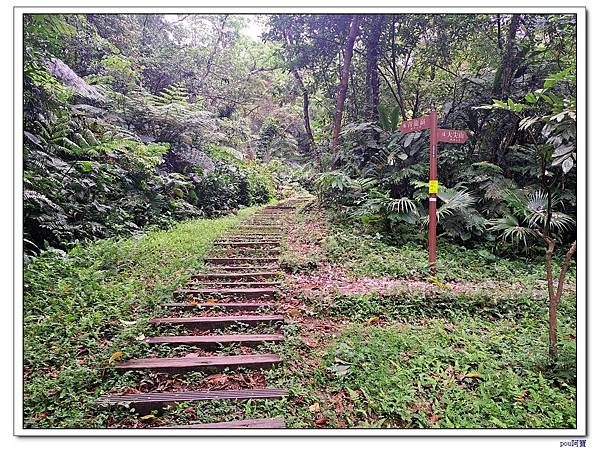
x,y
439,357
403,359
89,305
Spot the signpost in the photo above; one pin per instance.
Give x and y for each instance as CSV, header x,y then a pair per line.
x,y
436,135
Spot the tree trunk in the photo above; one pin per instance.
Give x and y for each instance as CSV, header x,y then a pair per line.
x,y
555,295
343,88
372,74
305,105
507,66
397,78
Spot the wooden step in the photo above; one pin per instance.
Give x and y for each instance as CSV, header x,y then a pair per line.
x,y
229,305
242,260
271,240
233,284
229,292
265,223
246,243
157,400
251,236
244,267
234,275
218,321
186,364
261,226
213,341
247,252
277,422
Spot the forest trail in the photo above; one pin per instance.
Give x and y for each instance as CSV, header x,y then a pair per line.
x,y
237,290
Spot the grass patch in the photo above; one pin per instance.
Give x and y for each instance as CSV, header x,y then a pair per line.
x,y
410,305
467,373
82,307
363,254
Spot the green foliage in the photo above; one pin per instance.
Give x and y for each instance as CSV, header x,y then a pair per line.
x,y
87,174
389,119
393,256
82,306
465,373
528,216
552,116
120,72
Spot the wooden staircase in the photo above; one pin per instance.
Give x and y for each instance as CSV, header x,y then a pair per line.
x,y
239,286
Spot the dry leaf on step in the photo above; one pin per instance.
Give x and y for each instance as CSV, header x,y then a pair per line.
x,y
116,356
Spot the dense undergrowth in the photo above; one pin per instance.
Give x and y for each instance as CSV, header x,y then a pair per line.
x,y
435,357
82,307
465,372
107,154
375,254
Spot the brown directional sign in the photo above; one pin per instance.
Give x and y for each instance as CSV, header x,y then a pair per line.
x,y
436,135
452,136
420,123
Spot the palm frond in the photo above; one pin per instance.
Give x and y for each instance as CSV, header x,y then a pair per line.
x,y
454,200
402,205
511,229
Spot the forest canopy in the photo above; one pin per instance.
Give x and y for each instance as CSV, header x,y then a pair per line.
x,y
133,120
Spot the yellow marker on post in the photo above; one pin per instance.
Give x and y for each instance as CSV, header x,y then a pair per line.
x,y
433,186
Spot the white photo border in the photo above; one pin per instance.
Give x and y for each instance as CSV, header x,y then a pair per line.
x,y
582,259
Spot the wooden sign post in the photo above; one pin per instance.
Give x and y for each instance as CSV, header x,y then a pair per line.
x,y
436,135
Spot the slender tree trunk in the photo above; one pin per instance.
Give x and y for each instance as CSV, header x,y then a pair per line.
x,y
417,99
555,295
394,67
305,108
372,74
507,66
343,88
353,107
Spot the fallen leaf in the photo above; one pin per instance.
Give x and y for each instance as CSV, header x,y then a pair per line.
x,y
341,369
321,422
126,322
190,412
217,378
210,301
141,337
115,356
471,375
294,312
148,417
373,320
131,390
314,407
